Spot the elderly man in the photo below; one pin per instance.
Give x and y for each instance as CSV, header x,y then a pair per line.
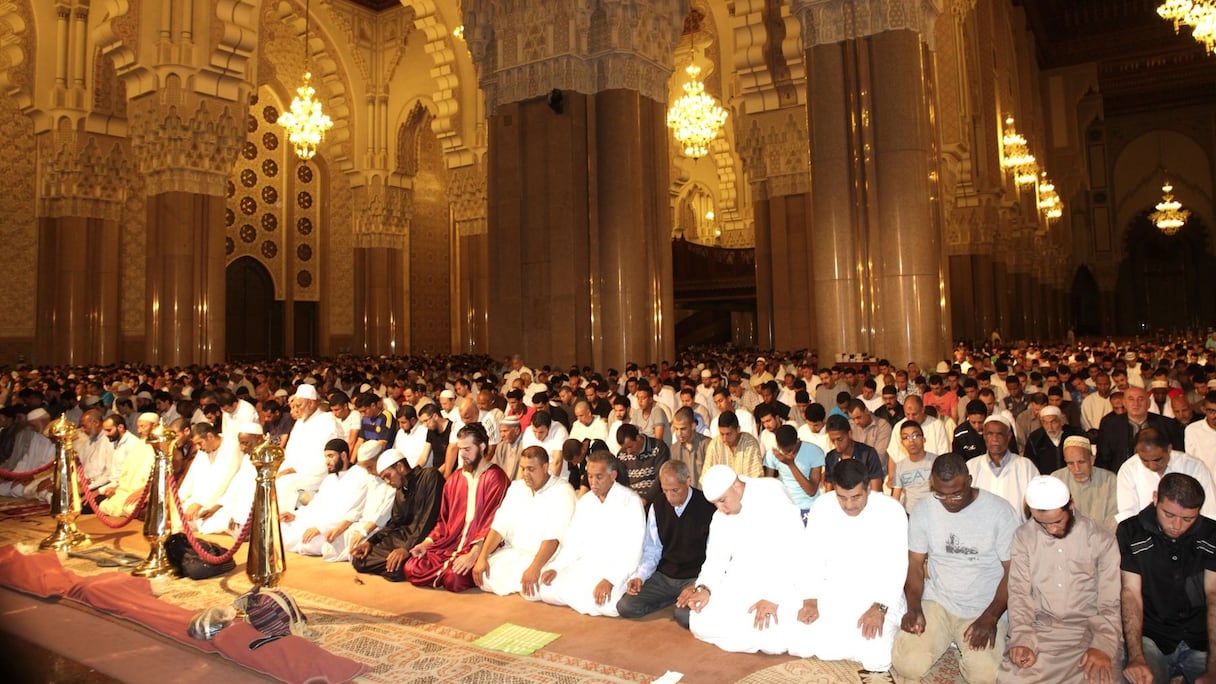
x,y
1138,477
1001,471
733,447
689,445
337,504
1201,434
38,451
677,529
856,548
303,466
216,461
445,558
510,446
526,530
417,495
964,533
1063,594
640,457
125,493
1118,431
95,451
747,583
1045,446
1092,489
602,546
1169,585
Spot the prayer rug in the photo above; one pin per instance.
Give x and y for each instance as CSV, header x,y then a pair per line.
x,y
515,640
816,671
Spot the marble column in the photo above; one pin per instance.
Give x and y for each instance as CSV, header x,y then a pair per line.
x,y
78,291
379,300
185,279
878,266
766,318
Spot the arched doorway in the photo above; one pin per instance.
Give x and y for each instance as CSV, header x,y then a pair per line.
x,y
254,319
1166,282
1086,302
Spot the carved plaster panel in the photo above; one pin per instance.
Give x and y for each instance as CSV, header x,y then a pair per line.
x,y
184,141
768,60
825,22
19,228
776,149
466,193
82,174
384,214
340,258
16,48
133,254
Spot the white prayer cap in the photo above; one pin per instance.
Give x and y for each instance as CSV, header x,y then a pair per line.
x,y
1000,418
1078,441
1051,411
310,380
388,458
717,480
148,417
369,450
1129,356
144,395
1212,384
1047,493
942,367
250,429
280,392
187,392
447,394
306,391
706,373
37,414
761,359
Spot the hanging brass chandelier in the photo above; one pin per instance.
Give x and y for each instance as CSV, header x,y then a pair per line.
x,y
1170,217
1200,15
306,123
696,118
1049,199
1017,156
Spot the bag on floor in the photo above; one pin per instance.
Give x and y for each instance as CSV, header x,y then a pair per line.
x,y
273,613
186,561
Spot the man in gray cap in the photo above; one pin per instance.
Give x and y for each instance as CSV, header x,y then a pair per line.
x,y
1063,594
751,563
1092,488
415,510
510,446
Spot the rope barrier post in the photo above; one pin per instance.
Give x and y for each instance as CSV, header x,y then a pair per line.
x,y
65,500
157,520
267,559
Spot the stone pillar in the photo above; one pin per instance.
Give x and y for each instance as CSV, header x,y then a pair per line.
x,y
382,272
185,145
775,155
577,175
81,183
467,196
878,266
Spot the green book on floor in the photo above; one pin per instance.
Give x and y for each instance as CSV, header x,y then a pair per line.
x,y
515,640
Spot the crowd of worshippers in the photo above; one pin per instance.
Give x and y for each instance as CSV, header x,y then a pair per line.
x,y
1047,511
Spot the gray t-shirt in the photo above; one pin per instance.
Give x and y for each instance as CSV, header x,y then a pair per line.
x,y
965,550
913,478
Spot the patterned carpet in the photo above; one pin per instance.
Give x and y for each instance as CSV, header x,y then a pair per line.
x,y
396,648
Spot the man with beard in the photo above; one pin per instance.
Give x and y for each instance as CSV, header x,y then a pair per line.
x,y
416,499
1063,594
601,547
95,450
1169,585
303,466
1092,488
1045,446
38,452
528,525
337,503
136,471
445,558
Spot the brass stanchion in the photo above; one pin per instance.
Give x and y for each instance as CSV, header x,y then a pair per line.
x,y
157,525
65,500
267,560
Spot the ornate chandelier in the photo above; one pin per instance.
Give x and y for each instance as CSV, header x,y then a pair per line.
x,y
306,124
1200,15
1018,158
1170,217
1049,200
695,119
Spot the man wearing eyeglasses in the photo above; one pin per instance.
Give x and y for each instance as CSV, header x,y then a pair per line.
x,y
415,510
963,534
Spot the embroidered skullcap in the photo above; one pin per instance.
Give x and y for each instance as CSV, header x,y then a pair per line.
x,y
1078,441
1051,411
148,417
1159,384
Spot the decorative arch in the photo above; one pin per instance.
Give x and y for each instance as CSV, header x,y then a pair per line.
x,y
1086,302
441,45
1165,282
418,118
16,46
254,319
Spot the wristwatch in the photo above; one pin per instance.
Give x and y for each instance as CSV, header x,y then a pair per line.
x,y
881,607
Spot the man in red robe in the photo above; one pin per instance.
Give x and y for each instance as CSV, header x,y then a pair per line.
x,y
471,496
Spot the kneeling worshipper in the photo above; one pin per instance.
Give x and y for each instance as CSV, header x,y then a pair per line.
x,y
601,547
337,503
471,496
237,501
751,564
136,471
852,581
417,493
38,451
527,529
303,465
377,507
1064,594
217,460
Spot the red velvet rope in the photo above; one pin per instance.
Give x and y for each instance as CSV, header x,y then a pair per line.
x,y
202,553
96,506
10,475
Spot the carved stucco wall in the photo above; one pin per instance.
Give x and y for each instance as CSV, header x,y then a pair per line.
x,y
430,251
18,227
